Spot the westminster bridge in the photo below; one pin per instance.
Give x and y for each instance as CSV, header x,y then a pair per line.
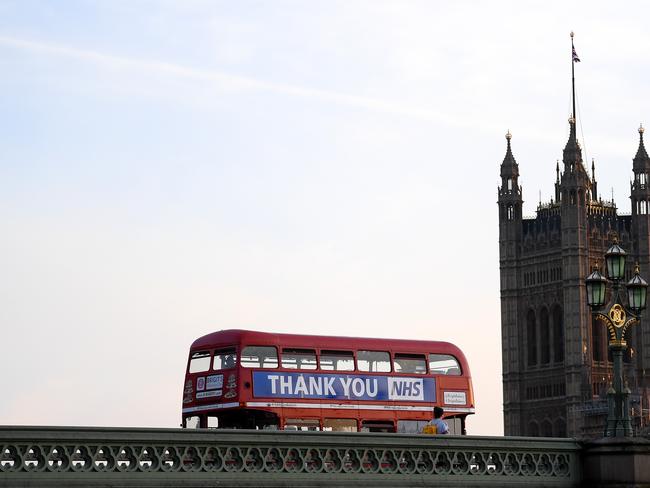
x,y
130,457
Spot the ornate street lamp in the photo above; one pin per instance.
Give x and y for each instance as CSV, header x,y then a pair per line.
x,y
615,259
596,284
637,292
617,317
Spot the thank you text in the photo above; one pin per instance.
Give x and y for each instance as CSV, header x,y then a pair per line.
x,y
343,387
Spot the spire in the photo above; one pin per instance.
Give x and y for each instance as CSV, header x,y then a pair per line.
x,y
575,182
557,181
594,185
641,160
510,200
572,152
640,188
509,167
593,170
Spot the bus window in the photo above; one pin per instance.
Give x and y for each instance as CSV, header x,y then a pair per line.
x,y
302,424
200,362
443,364
337,360
374,361
411,426
299,358
377,426
224,359
455,425
410,363
193,422
259,357
340,425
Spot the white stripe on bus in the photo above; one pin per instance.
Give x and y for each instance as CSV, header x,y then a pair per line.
x,y
339,406
347,406
210,407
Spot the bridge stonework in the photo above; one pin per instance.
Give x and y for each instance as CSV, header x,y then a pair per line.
x,y
123,457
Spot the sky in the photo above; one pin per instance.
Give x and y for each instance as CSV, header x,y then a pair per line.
x,y
173,168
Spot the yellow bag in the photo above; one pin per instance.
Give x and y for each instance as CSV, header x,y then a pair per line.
x,y
430,429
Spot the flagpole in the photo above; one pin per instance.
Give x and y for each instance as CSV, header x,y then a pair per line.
x,y
573,81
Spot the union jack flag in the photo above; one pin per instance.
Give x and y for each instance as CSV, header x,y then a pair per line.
x,y
576,59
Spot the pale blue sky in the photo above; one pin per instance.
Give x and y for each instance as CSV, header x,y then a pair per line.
x,y
171,168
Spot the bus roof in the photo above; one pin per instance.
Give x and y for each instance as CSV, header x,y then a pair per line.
x,y
238,336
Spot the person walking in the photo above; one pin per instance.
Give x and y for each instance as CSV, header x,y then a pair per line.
x,y
437,425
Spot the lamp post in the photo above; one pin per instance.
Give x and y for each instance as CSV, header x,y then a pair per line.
x,y
617,315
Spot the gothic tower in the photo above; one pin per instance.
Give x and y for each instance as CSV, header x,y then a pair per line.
x,y
574,200
556,366
510,218
640,204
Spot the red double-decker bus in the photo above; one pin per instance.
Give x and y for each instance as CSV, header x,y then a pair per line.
x,y
240,379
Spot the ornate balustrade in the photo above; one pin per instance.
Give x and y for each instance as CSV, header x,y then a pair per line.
x,y
120,457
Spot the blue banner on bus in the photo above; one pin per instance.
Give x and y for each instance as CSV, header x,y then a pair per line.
x,y
343,387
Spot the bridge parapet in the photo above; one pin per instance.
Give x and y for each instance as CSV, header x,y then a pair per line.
x,y
121,457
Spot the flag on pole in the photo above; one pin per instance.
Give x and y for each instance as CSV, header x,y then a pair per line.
x,y
576,59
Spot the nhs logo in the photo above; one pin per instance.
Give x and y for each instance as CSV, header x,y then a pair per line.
x,y
406,389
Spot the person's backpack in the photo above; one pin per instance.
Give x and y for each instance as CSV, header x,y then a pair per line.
x,y
430,429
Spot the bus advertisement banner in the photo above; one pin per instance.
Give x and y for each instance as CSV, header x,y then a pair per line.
x,y
343,387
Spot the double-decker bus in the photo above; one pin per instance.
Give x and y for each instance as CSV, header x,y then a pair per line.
x,y
240,379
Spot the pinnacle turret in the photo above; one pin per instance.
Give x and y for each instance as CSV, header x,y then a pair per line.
x,y
641,161
572,151
509,167
510,191
574,175
594,185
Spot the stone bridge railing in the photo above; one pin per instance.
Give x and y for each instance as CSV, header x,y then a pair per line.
x,y
121,457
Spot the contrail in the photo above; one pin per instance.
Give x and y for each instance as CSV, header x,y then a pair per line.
x,y
181,71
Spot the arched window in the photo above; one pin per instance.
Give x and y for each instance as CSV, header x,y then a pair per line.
x,y
547,428
559,429
531,338
533,429
558,334
545,337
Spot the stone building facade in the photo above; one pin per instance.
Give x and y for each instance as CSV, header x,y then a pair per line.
x,y
556,367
